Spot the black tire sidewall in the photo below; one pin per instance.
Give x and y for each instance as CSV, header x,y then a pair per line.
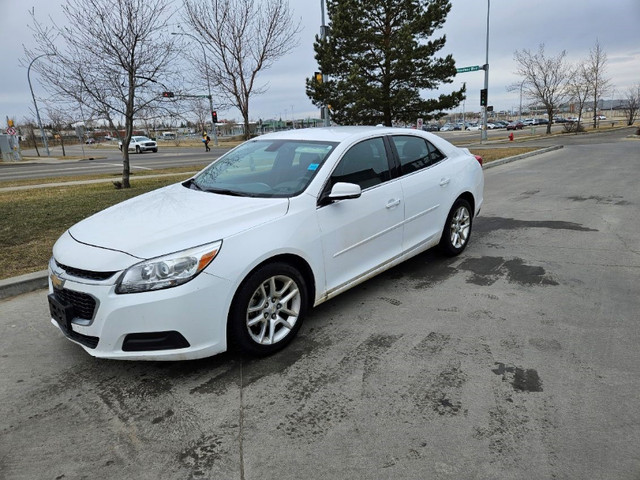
x,y
445,242
237,332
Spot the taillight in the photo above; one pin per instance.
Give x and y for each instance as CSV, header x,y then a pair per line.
x,y
479,158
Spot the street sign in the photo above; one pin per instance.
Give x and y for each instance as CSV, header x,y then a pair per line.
x,y
11,131
419,124
473,68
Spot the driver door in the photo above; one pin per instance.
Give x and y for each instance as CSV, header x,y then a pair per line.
x,y
362,234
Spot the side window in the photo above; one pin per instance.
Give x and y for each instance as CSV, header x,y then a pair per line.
x,y
435,155
364,164
415,153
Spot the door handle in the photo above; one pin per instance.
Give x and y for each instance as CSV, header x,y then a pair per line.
x,y
444,182
393,203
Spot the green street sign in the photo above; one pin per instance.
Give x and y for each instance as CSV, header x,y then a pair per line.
x,y
474,68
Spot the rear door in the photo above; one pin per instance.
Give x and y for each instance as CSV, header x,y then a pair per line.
x,y
425,180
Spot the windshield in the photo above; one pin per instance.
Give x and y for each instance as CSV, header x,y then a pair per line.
x,y
264,168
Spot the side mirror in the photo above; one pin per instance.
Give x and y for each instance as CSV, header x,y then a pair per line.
x,y
343,191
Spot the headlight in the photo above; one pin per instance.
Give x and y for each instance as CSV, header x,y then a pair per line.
x,y
167,271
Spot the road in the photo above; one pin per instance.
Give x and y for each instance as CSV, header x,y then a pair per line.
x,y
517,360
106,160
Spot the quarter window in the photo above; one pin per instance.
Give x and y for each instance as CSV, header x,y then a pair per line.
x,y
364,164
415,153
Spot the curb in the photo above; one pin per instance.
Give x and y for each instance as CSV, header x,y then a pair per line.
x,y
11,287
502,161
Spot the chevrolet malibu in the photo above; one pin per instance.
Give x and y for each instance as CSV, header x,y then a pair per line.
x,y
237,254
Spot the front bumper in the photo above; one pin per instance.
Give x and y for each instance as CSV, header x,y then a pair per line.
x,y
112,323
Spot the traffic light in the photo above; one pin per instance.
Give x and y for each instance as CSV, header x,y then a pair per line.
x,y
317,76
168,94
483,97
214,117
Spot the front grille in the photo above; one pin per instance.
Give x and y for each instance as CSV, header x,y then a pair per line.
x,y
84,305
86,274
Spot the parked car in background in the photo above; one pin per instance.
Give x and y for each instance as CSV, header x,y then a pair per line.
x,y
242,250
90,141
560,120
448,127
431,127
516,125
141,144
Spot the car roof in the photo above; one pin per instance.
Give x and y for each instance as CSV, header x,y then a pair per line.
x,y
334,134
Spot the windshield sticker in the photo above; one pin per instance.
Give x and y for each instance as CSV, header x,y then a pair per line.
x,y
313,167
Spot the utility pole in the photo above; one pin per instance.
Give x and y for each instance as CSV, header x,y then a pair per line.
x,y
486,80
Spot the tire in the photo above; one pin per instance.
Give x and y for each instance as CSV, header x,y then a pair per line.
x,y
155,150
457,229
138,149
260,322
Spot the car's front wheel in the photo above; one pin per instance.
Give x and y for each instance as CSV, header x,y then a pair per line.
x,y
268,309
457,228
137,148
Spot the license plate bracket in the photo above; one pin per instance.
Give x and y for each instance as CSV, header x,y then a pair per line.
x,y
61,312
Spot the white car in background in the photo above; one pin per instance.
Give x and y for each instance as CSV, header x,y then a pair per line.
x,y
141,144
239,252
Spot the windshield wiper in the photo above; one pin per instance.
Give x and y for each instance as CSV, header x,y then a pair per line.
x,y
223,191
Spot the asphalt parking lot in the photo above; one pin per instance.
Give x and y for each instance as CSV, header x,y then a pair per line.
x,y
516,360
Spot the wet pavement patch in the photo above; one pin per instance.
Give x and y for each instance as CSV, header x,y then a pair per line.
x,y
487,270
611,200
489,224
522,380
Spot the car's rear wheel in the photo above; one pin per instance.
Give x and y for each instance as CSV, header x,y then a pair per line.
x,y
457,228
268,309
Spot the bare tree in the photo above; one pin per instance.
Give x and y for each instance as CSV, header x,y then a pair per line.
x,y
544,78
632,104
595,68
60,121
113,57
244,37
579,90
30,125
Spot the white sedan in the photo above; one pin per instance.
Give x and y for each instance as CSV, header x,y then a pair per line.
x,y
238,253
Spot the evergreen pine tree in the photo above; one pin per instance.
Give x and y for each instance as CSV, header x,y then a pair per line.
x,y
379,56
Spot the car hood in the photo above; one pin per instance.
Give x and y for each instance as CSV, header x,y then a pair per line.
x,y
172,219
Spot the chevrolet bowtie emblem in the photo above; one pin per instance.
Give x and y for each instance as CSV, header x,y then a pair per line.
x,y
57,282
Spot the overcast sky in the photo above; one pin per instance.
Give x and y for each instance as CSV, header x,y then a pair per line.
x,y
571,25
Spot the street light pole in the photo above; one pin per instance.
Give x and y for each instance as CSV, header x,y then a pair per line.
x,y
206,69
486,80
323,35
35,104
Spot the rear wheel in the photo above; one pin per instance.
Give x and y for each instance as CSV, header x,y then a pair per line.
x,y
268,309
457,229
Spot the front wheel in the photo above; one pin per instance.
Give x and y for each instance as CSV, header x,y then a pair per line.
x,y
268,309
457,228
137,148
